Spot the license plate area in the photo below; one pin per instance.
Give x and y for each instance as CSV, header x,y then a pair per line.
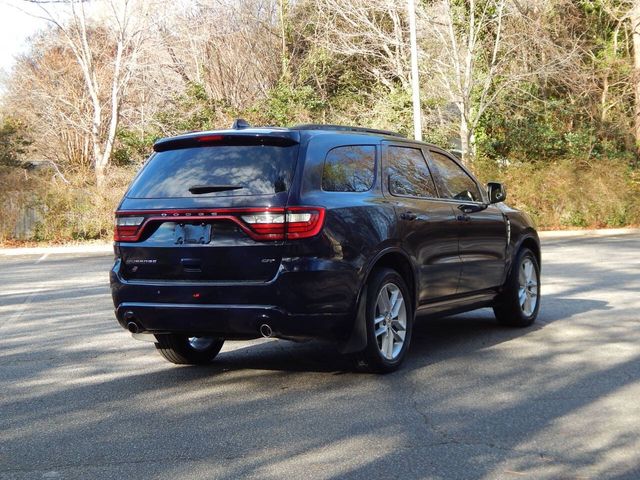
x,y
190,234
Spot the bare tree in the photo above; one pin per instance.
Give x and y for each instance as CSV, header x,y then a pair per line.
x,y
46,91
471,49
376,30
125,23
232,49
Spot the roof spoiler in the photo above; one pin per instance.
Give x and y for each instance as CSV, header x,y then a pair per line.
x,y
228,138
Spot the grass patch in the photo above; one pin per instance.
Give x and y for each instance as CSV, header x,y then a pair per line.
x,y
566,194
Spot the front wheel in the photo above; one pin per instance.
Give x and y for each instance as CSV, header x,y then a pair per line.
x,y
185,350
519,302
389,321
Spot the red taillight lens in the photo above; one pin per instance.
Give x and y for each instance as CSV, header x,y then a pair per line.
x,y
291,223
259,223
126,228
209,138
303,222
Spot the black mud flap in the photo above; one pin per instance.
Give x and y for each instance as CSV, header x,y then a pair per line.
x,y
357,341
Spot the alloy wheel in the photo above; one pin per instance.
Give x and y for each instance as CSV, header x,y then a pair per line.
x,y
390,321
528,287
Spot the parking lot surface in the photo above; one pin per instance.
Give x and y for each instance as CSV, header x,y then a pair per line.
x,y
560,400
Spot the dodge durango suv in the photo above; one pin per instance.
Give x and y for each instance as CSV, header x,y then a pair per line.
x,y
317,231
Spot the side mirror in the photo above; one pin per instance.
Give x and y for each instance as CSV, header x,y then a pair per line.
x,y
497,192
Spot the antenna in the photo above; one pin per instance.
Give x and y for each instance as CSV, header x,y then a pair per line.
x,y
240,123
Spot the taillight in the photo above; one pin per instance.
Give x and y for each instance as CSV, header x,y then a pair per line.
x,y
259,223
267,225
126,228
292,223
303,222
209,138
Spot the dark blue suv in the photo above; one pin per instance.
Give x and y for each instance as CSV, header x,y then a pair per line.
x,y
316,231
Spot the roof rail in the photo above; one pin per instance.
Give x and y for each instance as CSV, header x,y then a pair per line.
x,y
346,128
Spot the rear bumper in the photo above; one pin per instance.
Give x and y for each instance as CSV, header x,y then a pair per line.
x,y
296,304
230,321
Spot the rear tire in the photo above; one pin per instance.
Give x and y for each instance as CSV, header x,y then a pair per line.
x,y
185,350
519,303
389,322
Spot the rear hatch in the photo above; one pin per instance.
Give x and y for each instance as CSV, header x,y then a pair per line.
x,y
210,208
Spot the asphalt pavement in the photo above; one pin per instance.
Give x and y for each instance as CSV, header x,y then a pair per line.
x,y
79,398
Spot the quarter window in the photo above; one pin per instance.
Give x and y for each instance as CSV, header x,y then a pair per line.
x,y
453,181
349,169
409,174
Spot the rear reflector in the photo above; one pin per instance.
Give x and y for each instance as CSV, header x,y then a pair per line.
x,y
260,224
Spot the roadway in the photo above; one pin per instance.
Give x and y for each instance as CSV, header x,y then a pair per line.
x,y
80,399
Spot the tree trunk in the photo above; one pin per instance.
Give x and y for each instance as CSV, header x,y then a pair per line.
x,y
603,98
283,32
467,134
103,161
466,141
99,172
635,26
96,126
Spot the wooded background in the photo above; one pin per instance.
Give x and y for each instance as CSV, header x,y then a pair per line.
x,y
541,94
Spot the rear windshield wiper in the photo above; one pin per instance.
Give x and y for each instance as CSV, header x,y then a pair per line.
x,y
200,189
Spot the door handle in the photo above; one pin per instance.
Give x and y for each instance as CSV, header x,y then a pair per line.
x,y
463,218
408,216
471,208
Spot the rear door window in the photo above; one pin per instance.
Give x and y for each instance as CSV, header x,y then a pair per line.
x,y
453,181
409,174
349,169
250,170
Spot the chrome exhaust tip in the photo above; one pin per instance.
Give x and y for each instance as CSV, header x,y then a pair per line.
x,y
133,327
265,330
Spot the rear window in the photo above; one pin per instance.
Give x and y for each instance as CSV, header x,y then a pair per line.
x,y
349,169
251,170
